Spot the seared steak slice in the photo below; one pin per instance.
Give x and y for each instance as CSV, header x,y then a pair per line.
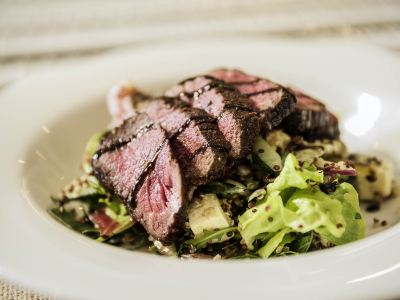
x,y
135,161
271,100
238,123
311,119
200,147
196,141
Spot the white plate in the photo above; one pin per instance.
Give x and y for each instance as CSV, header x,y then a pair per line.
x,y
47,118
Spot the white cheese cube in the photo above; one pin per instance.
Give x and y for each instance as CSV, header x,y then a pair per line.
x,y
206,213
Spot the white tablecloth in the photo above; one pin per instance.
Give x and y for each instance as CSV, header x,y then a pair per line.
x,y
9,291
38,34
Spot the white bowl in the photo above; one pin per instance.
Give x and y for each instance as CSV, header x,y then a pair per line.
x,y
47,118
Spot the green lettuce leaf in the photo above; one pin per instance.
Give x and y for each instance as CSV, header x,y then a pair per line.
x,y
93,143
255,220
267,155
90,149
209,237
303,243
295,203
273,243
354,224
314,209
69,219
224,188
293,175
117,211
266,216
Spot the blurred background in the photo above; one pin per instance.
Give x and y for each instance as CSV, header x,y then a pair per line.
x,y
35,35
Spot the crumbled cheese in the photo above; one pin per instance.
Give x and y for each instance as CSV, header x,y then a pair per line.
x,y
374,178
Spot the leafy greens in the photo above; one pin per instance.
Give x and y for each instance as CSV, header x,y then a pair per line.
x,y
335,216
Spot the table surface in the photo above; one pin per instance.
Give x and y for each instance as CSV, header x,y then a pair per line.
x,y
38,35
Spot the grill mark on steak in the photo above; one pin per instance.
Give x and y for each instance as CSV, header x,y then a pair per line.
x,y
237,107
122,142
214,83
144,173
236,83
272,101
266,91
149,167
236,120
203,148
194,135
109,144
196,119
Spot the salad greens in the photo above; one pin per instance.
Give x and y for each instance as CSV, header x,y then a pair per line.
x,y
267,155
86,207
207,237
334,216
293,175
224,188
275,204
90,149
273,243
354,224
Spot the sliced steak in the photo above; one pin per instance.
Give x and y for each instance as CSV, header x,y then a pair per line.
x,y
135,161
311,119
272,101
238,123
196,141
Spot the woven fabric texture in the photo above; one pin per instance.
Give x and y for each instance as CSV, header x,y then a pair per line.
x,y
9,291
